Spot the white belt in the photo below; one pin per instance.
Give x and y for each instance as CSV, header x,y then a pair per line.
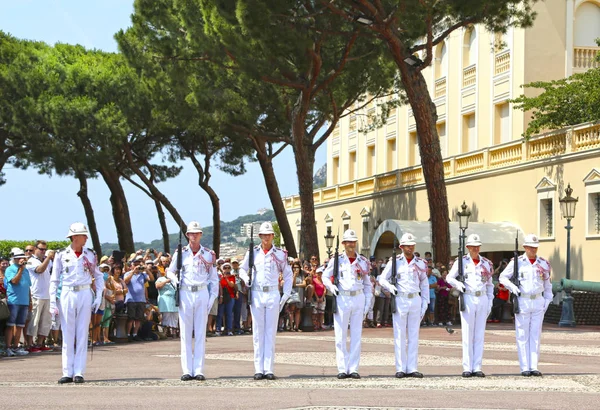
x,y
350,292
530,295
77,288
193,288
476,293
408,295
265,288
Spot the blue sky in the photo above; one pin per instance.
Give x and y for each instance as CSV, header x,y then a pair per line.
x,y
39,207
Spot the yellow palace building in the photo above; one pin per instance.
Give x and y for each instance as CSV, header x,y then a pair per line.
x,y
375,182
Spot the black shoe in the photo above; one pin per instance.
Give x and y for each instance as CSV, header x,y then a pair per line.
x,y
342,376
467,374
526,373
416,375
200,378
259,376
186,378
270,376
78,379
536,373
355,375
479,374
136,338
65,379
400,375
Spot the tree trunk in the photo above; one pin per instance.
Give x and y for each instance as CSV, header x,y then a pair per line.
x,y
275,196
156,193
203,178
120,209
304,157
163,226
429,147
89,212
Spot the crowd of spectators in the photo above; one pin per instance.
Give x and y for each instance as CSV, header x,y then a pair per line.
x,y
136,287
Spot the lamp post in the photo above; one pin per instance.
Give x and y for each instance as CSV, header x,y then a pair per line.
x,y
567,208
463,223
329,241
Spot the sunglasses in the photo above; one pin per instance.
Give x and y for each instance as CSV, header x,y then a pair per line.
x,y
29,250
42,249
226,268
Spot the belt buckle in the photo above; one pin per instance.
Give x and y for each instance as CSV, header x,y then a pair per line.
x,y
353,293
532,297
411,295
265,289
76,288
478,293
195,288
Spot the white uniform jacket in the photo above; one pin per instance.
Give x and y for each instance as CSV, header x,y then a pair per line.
x,y
478,278
352,276
267,268
410,277
196,270
534,277
75,271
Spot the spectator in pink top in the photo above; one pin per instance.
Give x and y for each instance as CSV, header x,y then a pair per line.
x,y
443,294
319,305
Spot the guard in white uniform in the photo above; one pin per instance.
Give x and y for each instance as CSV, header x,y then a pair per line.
x,y
353,302
198,289
535,295
266,303
77,267
478,292
412,299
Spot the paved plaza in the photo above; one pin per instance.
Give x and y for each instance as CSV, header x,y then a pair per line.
x,y
146,375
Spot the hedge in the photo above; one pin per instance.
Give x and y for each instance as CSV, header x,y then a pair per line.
x,y
6,245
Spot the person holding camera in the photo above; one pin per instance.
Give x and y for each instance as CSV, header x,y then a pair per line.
x,y
198,289
136,302
76,266
18,283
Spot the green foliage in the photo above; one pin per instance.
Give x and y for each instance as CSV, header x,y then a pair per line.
x,y
7,245
561,103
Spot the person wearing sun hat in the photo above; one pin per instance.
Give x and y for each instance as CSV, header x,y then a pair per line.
x,y
478,292
535,295
77,267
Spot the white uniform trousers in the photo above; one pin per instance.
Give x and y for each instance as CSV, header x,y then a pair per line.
x,y
528,325
75,314
193,315
407,320
350,310
265,314
473,321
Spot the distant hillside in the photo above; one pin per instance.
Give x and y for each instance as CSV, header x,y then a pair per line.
x,y
320,177
229,230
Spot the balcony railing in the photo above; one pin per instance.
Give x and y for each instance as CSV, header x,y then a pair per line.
x,y
584,137
469,75
502,62
584,58
440,88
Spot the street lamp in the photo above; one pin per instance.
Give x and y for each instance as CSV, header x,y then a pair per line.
x,y
413,61
463,223
329,241
567,208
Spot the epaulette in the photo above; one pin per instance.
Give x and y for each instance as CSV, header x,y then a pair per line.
x,y
483,258
257,247
214,255
184,248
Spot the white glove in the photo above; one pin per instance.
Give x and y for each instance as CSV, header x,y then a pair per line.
x,y
393,291
284,299
334,289
546,304
53,309
460,287
423,310
95,306
515,290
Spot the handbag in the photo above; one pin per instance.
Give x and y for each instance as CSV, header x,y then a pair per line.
x,y
4,311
